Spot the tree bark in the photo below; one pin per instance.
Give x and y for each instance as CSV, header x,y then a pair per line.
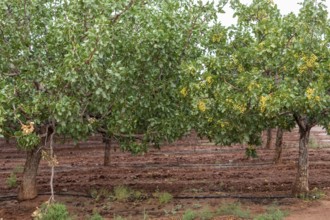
x,y
269,138
301,186
28,187
107,147
278,146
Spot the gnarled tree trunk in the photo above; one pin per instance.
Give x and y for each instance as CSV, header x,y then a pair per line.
x,y
301,186
278,146
107,147
28,187
269,138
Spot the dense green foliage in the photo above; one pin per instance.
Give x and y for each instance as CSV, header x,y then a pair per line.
x,y
150,71
268,70
99,66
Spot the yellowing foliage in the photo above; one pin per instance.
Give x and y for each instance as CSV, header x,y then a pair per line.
x,y
216,38
201,106
252,86
240,68
209,79
263,103
241,108
184,91
222,124
309,63
27,129
310,94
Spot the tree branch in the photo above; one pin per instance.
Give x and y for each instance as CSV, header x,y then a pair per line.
x,y
298,120
117,16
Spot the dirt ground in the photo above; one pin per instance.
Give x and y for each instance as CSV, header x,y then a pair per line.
x,y
197,173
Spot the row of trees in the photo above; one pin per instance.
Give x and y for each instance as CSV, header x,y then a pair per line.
x,y
150,71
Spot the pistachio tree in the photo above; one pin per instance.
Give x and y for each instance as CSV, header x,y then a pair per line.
x,y
46,53
74,68
268,70
146,60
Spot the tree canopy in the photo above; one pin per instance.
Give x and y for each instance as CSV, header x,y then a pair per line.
x,y
80,67
158,69
268,70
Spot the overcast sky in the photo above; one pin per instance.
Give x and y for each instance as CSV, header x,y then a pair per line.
x,y
285,6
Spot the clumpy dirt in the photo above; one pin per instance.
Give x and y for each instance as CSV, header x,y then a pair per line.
x,y
196,172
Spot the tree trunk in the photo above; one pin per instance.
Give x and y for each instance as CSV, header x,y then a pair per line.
x,y
269,138
28,187
300,187
107,147
278,146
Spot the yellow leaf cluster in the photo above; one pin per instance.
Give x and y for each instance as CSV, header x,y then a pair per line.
x,y
263,103
252,86
209,79
210,119
201,106
309,63
222,124
241,108
216,38
240,68
184,91
310,94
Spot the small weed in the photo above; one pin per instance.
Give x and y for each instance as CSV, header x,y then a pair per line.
x,y
164,197
196,206
312,195
53,211
122,193
136,195
272,213
205,214
233,209
106,206
189,215
103,193
173,211
316,194
11,181
96,216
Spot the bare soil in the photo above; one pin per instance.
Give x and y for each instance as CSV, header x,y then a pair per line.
x,y
196,172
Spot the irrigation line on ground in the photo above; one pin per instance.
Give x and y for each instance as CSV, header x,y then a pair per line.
x,y
224,196
173,165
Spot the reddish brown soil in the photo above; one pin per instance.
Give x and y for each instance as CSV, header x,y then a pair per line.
x,y
187,168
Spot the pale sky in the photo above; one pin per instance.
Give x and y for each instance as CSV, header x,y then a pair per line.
x,y
285,6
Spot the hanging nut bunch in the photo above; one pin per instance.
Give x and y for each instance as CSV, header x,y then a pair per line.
x,y
27,129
